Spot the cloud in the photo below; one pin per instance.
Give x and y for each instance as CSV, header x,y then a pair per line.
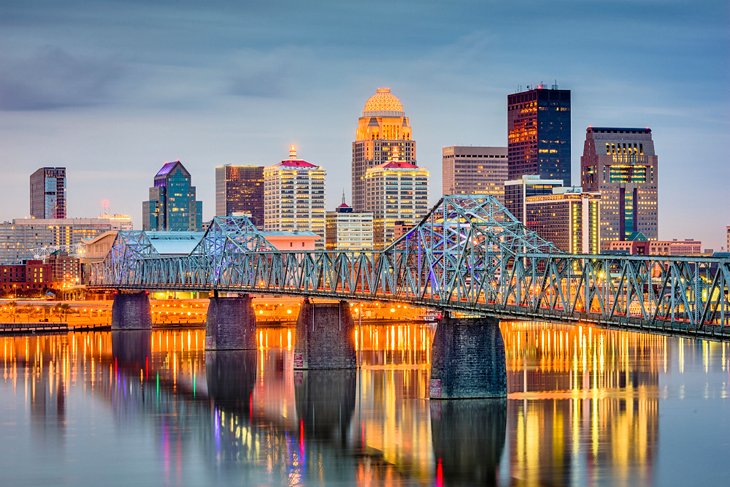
x,y
52,78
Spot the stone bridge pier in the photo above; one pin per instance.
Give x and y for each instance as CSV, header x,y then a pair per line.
x,y
230,323
325,337
131,311
467,359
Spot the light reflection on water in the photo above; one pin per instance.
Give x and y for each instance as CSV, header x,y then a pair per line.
x,y
586,407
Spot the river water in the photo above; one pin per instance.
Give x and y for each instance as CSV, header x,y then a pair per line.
x,y
586,406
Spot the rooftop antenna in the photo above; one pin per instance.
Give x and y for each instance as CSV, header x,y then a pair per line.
x,y
555,85
343,197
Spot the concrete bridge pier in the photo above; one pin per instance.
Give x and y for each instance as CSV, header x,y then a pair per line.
x,y
230,323
467,359
325,337
131,311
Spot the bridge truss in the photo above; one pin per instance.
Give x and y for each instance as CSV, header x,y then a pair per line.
x,y
469,254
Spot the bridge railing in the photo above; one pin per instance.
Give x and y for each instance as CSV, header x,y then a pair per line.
x,y
652,290
468,254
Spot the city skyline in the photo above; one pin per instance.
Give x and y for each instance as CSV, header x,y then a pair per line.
x,y
116,111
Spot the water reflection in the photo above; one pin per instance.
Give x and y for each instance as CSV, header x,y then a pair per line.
x,y
468,439
583,408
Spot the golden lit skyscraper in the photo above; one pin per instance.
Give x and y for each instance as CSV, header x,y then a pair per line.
x,y
382,130
294,197
397,195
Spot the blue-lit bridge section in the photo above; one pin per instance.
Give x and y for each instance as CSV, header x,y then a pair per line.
x,y
469,254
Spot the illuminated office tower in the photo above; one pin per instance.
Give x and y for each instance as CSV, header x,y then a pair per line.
x,y
568,218
346,230
538,134
621,164
294,197
48,193
517,191
382,130
474,170
172,205
396,193
239,190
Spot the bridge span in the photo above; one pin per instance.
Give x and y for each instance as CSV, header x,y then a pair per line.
x,y
469,255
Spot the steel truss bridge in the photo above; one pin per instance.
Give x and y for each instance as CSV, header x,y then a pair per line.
x,y
469,254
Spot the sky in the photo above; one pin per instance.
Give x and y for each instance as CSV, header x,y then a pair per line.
x,y
111,89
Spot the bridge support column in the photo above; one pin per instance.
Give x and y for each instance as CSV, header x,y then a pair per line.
x,y
324,337
230,323
131,311
467,359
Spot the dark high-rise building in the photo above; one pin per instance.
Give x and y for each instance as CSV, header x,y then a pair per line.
x,y
383,135
172,205
48,193
538,134
240,190
621,164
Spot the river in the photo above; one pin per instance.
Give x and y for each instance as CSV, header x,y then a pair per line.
x,y
586,406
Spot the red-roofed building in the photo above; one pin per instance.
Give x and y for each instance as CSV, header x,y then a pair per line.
x,y
294,197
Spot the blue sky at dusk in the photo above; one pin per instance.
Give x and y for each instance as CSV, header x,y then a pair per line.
x,y
113,89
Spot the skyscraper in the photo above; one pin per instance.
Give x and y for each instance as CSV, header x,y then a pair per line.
x,y
294,197
538,134
621,164
172,205
517,191
240,190
396,191
48,193
567,217
382,130
474,170
346,230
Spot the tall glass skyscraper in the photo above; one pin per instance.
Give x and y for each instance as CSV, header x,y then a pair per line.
x,y
240,190
48,193
172,205
383,134
538,134
621,164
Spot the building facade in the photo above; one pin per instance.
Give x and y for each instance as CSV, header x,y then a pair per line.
x,y
657,247
25,238
568,218
172,205
28,278
239,190
294,197
48,193
538,134
383,134
517,191
474,170
622,165
346,230
65,269
396,191
727,244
